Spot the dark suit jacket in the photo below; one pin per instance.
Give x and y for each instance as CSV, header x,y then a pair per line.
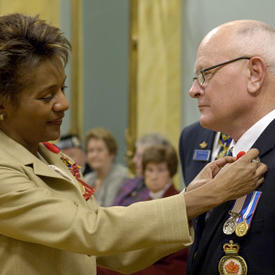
x,y
190,139
258,246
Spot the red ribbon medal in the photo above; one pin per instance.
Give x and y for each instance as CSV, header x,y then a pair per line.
x,y
74,168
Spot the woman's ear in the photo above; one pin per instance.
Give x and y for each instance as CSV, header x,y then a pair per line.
x,y
257,73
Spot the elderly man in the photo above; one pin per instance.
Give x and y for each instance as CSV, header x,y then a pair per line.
x,y
234,85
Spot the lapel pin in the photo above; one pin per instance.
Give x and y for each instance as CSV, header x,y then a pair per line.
x,y
203,145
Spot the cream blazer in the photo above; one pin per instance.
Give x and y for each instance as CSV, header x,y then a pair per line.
x,y
48,228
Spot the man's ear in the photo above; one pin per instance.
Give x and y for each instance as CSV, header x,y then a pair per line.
x,y
257,73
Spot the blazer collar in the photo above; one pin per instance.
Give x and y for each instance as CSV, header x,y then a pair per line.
x,y
15,152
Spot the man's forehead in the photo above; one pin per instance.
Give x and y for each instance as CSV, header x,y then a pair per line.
x,y
214,48
207,57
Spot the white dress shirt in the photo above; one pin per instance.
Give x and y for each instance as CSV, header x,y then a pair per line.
x,y
246,141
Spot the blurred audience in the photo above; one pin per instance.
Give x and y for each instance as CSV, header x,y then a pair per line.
x,y
107,176
134,189
159,166
71,146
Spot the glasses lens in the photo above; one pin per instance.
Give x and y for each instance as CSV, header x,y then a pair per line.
x,y
200,78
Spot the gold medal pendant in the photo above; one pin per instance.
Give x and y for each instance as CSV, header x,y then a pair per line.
x,y
232,263
241,228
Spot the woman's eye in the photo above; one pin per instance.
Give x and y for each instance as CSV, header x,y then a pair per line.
x,y
63,88
47,98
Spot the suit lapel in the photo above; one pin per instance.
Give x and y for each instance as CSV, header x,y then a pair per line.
x,y
217,217
266,141
199,223
208,137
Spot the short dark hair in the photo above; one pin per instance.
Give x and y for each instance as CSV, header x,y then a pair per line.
x,y
69,141
25,41
159,154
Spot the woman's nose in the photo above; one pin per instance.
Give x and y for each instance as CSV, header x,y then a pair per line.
x,y
62,103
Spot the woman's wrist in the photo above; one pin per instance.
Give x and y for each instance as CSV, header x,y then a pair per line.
x,y
201,199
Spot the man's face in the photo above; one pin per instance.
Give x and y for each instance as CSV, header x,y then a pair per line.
x,y
222,98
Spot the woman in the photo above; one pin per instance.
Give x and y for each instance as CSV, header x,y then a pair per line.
x,y
159,166
134,189
107,176
50,222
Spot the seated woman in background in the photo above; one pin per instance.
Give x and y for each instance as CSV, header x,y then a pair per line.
x,y
159,166
134,189
107,176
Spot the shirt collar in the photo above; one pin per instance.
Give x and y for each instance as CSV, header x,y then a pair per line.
x,y
246,141
159,194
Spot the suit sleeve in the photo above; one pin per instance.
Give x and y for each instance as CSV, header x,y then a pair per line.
x,y
36,214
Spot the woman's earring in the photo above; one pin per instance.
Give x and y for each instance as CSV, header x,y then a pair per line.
x,y
1,117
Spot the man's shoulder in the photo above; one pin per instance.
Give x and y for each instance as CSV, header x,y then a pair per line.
x,y
195,134
194,129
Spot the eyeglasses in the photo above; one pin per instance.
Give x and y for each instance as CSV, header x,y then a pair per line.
x,y
201,75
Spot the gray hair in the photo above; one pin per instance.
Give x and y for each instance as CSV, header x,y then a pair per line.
x,y
257,38
152,139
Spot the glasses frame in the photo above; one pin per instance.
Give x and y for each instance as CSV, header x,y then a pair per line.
x,y
201,75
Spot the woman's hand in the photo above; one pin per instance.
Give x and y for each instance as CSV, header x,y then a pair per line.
x,y
223,180
241,177
209,172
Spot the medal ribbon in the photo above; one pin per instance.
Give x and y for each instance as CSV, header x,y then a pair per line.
x,y
246,206
249,207
74,168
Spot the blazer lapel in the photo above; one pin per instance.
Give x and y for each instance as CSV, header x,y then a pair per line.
x,y
15,151
43,170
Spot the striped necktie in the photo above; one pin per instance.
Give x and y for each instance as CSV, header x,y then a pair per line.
x,y
224,142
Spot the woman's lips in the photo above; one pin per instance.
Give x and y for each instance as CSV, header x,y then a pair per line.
x,y
56,121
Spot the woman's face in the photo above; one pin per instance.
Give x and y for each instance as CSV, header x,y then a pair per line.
x,y
98,155
40,111
156,176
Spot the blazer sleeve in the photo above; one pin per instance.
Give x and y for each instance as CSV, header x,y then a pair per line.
x,y
33,213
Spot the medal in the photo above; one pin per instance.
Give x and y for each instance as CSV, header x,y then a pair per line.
x,y
230,224
241,228
232,263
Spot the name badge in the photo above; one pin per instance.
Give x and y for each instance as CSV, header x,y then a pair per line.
x,y
201,155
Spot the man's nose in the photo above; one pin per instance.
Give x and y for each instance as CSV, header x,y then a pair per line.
x,y
195,90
